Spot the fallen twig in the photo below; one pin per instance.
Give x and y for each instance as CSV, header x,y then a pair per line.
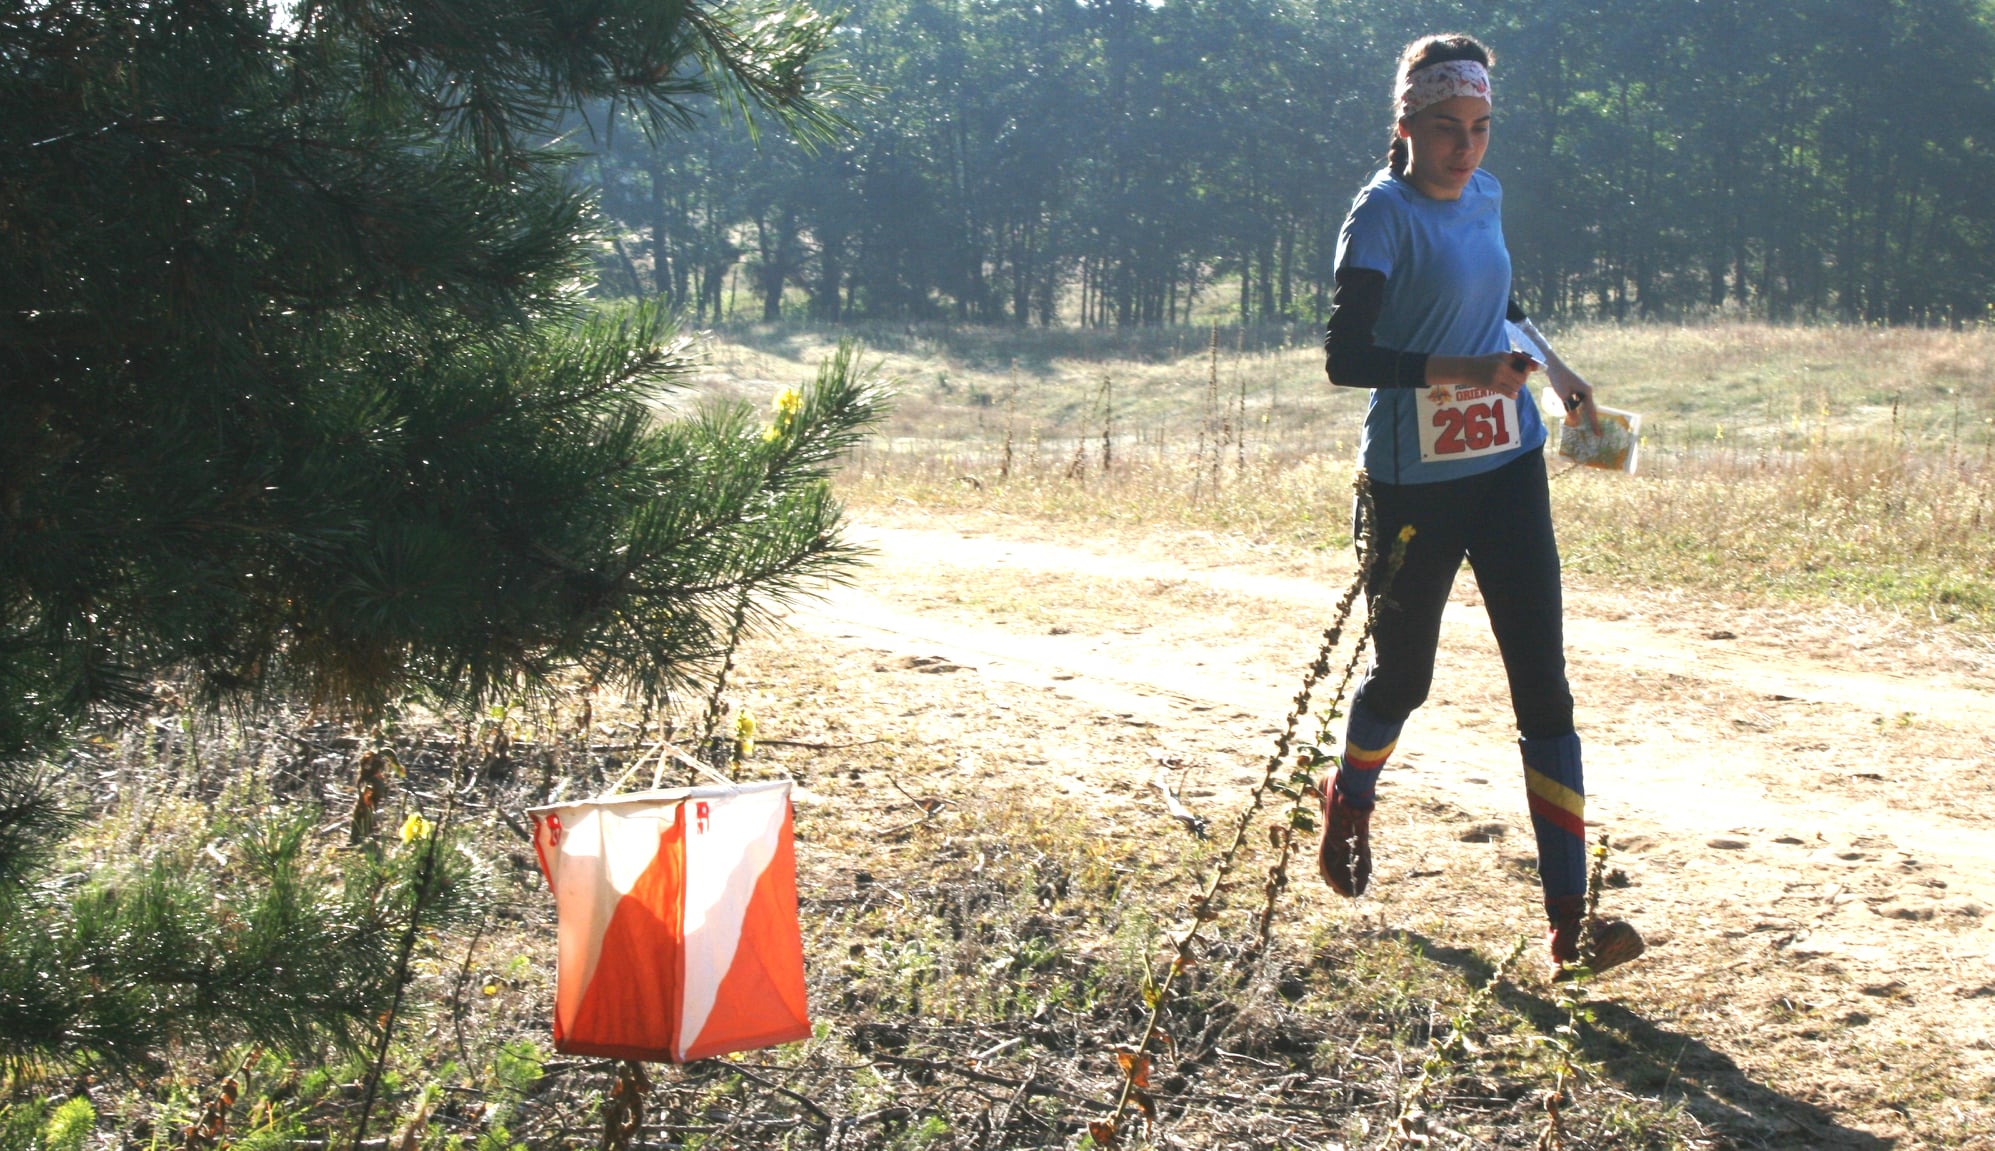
x,y
823,1116
927,807
1196,824
986,1077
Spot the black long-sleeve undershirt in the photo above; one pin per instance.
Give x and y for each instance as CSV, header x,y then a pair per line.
x,y
1351,357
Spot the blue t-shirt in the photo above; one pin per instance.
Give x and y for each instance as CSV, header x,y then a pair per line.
x,y
1447,287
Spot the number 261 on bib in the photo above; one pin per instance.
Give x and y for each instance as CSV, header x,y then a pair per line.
x,y
1463,423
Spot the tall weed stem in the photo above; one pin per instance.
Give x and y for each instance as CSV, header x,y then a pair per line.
x,y
1135,1061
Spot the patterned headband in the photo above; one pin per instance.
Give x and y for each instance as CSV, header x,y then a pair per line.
x,y
1437,82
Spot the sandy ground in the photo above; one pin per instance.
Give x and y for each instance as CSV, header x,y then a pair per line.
x,y
1799,801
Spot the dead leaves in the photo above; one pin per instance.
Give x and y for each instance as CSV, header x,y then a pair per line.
x,y
1136,1071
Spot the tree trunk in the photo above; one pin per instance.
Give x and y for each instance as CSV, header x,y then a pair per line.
x,y
1286,302
661,263
831,275
1246,285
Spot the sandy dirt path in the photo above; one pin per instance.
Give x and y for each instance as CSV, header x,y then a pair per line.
x,y
1800,805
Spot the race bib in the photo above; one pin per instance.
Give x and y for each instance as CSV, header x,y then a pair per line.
x,y
1463,423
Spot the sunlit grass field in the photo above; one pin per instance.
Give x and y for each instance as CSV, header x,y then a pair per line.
x,y
1820,464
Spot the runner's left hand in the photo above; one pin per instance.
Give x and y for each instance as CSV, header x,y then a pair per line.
x,y
1577,394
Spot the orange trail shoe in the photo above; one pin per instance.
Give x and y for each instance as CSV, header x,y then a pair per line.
x,y
1344,857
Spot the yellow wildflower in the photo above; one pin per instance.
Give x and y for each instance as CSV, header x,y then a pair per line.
x,y
1406,534
787,404
416,827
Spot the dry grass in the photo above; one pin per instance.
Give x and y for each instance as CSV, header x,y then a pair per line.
x,y
1023,920
1819,465
971,973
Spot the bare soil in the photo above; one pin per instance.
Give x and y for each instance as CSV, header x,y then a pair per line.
x,y
1798,800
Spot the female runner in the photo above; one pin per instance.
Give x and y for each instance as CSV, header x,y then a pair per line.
x,y
1422,315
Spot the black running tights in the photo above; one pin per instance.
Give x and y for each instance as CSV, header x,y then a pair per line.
x,y
1501,521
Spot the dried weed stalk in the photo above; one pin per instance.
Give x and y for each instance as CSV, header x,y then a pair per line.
x,y
1208,426
1572,1000
1410,1128
207,1131
1301,786
715,705
623,1105
1135,1060
430,840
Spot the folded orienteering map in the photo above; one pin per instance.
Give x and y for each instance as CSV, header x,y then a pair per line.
x,y
1615,446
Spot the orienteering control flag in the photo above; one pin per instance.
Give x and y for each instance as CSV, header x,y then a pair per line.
x,y
678,935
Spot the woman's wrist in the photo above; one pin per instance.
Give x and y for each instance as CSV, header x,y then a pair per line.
x,y
1451,371
1506,372
1566,381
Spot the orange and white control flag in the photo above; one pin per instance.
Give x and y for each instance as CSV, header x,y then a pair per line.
x,y
678,922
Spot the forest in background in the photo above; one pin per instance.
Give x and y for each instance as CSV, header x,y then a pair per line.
x,y
1117,162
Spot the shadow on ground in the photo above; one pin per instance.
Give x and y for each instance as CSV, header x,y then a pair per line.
x,y
1654,1061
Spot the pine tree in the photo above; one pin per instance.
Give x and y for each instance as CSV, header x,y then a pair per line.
x,y
299,395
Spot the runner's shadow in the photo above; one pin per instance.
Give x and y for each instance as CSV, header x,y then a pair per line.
x,y
1655,1062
